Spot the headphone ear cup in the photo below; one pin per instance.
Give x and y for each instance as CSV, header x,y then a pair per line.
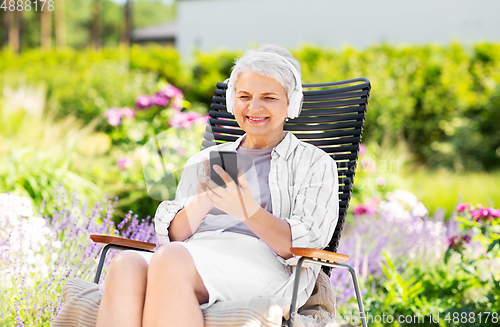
x,y
230,98
295,105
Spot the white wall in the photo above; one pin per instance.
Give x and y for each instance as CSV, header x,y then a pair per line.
x,y
237,24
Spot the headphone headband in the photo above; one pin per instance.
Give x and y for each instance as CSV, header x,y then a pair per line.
x,y
295,98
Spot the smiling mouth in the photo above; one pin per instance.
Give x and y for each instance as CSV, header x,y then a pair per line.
x,y
256,119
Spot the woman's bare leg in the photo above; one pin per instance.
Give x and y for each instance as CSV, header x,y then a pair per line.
x,y
175,290
123,299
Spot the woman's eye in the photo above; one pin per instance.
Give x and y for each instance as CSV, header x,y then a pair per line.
x,y
270,98
244,97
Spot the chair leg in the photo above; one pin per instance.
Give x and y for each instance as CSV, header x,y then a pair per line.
x,y
101,263
359,298
293,305
358,295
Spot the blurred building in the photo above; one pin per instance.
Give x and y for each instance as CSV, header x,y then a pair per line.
x,y
237,24
163,34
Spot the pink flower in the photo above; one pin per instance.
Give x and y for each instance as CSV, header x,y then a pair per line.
x,y
178,102
462,206
114,116
160,100
494,212
365,209
127,112
170,91
475,214
124,163
484,212
369,165
453,241
179,150
184,119
458,241
362,149
381,182
143,102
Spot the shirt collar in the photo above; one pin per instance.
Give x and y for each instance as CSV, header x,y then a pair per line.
x,y
284,148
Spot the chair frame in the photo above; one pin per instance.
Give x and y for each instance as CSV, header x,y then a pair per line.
x,y
344,99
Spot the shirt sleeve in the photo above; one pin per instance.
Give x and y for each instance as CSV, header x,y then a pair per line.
x,y
186,192
315,208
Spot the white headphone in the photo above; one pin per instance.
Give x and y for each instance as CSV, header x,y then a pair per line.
x,y
296,98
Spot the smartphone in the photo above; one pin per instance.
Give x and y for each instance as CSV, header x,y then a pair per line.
x,y
228,160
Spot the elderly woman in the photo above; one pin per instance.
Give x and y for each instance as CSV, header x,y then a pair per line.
x,y
233,242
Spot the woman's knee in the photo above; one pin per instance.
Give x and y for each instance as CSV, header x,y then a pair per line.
x,y
172,259
128,264
173,264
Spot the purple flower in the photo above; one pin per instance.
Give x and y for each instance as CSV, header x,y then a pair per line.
x,y
127,112
160,100
170,91
124,163
143,102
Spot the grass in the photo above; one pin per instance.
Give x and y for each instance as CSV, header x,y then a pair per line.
x,y
436,189
445,189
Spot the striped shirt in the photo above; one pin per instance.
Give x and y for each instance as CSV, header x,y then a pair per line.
x,y
303,181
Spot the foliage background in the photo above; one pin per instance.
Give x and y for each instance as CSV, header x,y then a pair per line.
x,y
442,100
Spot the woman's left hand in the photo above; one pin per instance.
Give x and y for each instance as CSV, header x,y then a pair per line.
x,y
234,200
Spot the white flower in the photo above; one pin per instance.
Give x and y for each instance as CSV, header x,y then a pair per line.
x,y
419,210
407,199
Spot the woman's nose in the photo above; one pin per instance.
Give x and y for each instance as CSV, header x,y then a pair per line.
x,y
255,104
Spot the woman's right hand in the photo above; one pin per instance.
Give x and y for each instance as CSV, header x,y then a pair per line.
x,y
201,188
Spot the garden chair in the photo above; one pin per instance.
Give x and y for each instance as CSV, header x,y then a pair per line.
x,y
332,119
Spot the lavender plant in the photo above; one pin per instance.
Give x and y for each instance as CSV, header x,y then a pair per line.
x,y
40,252
398,228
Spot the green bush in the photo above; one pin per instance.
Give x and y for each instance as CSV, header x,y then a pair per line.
x,y
443,100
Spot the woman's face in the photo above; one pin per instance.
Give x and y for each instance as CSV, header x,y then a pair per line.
x,y
261,106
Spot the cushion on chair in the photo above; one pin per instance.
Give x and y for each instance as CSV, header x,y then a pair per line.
x,y
81,304
82,299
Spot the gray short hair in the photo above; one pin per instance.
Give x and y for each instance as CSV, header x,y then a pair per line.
x,y
254,60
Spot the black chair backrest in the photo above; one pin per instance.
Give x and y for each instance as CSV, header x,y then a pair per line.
x,y
332,119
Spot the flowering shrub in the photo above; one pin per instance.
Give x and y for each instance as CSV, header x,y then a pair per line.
x,y
38,254
159,124
411,264
477,225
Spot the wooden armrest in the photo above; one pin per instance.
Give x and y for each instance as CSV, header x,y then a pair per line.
x,y
122,242
319,254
